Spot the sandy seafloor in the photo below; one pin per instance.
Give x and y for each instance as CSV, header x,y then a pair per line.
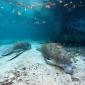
x,y
30,68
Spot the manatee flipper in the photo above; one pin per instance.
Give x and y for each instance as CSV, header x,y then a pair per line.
x,y
53,63
17,54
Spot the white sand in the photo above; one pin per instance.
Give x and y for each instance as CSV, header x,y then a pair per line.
x,y
30,69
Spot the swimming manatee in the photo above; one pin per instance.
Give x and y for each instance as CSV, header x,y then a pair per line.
x,y
56,55
17,48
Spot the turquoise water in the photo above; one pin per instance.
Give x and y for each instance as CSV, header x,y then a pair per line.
x,y
39,20
17,22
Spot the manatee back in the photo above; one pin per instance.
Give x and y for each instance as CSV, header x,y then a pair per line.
x,y
22,46
56,53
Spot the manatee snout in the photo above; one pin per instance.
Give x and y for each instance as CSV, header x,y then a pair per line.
x,y
68,69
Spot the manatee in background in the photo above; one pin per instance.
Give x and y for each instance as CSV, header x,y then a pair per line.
x,y
56,55
17,48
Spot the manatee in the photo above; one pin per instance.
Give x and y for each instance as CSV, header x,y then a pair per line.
x,y
17,48
56,55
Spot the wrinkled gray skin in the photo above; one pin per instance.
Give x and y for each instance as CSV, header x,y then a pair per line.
x,y
55,55
16,48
